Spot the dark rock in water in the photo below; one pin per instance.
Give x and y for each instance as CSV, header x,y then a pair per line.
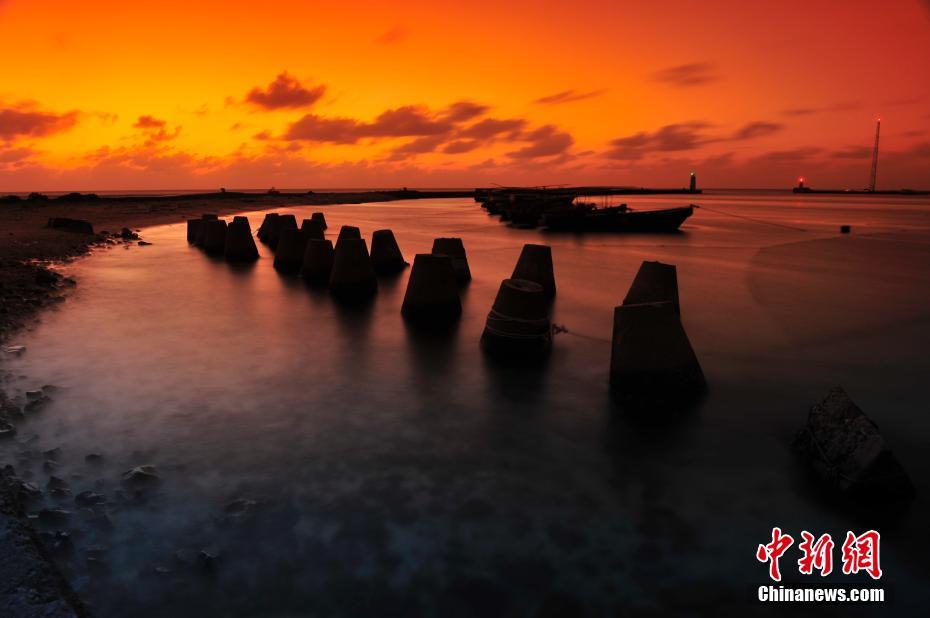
x,y
202,228
455,249
319,218
313,230
352,278
144,243
49,465
386,257
54,517
214,238
78,226
52,453
535,264
141,477
56,483
291,248
47,277
655,282
847,452
127,234
37,404
240,246
89,498
193,230
432,293
651,360
518,323
93,458
58,543
206,561
845,229
277,226
266,225
318,262
7,430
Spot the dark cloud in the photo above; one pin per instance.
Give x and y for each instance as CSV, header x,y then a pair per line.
x,y
421,145
406,120
545,141
462,111
26,120
491,127
568,96
756,129
318,129
461,145
395,35
670,138
285,92
149,122
687,75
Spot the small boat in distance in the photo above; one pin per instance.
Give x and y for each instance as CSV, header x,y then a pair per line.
x,y
586,217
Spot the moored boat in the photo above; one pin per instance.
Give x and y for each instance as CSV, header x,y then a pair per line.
x,y
587,218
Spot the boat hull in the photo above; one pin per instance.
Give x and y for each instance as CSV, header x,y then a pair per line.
x,y
618,220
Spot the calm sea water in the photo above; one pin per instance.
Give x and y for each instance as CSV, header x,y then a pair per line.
x,y
398,473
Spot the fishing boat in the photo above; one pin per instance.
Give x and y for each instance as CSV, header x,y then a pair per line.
x,y
587,217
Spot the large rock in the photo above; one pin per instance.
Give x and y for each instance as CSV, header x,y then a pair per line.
x,y
652,361
847,452
432,293
455,249
535,264
386,257
655,282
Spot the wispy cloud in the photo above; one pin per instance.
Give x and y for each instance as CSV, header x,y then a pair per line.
x,y
687,75
26,119
568,96
394,36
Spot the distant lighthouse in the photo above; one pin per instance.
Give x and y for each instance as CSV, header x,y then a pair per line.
x,y
693,186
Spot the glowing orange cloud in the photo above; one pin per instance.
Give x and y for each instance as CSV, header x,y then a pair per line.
x,y
110,94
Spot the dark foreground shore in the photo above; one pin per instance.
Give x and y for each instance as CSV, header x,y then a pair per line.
x,y
30,584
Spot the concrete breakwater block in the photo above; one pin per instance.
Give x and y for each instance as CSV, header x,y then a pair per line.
x,y
277,227
352,278
386,257
79,226
651,360
267,222
241,219
240,246
202,230
319,218
455,249
535,264
291,247
519,319
846,450
432,291
655,282
318,261
193,229
214,239
312,229
349,231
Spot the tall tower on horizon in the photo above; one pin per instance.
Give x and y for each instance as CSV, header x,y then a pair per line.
x,y
878,128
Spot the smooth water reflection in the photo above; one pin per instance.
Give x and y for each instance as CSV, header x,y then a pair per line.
x,y
403,473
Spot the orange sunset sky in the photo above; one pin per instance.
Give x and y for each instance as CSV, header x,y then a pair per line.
x,y
110,95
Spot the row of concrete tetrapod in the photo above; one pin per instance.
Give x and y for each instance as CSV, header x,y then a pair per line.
x,y
232,241
651,356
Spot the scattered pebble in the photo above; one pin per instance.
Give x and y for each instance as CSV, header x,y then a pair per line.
x,y
141,476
